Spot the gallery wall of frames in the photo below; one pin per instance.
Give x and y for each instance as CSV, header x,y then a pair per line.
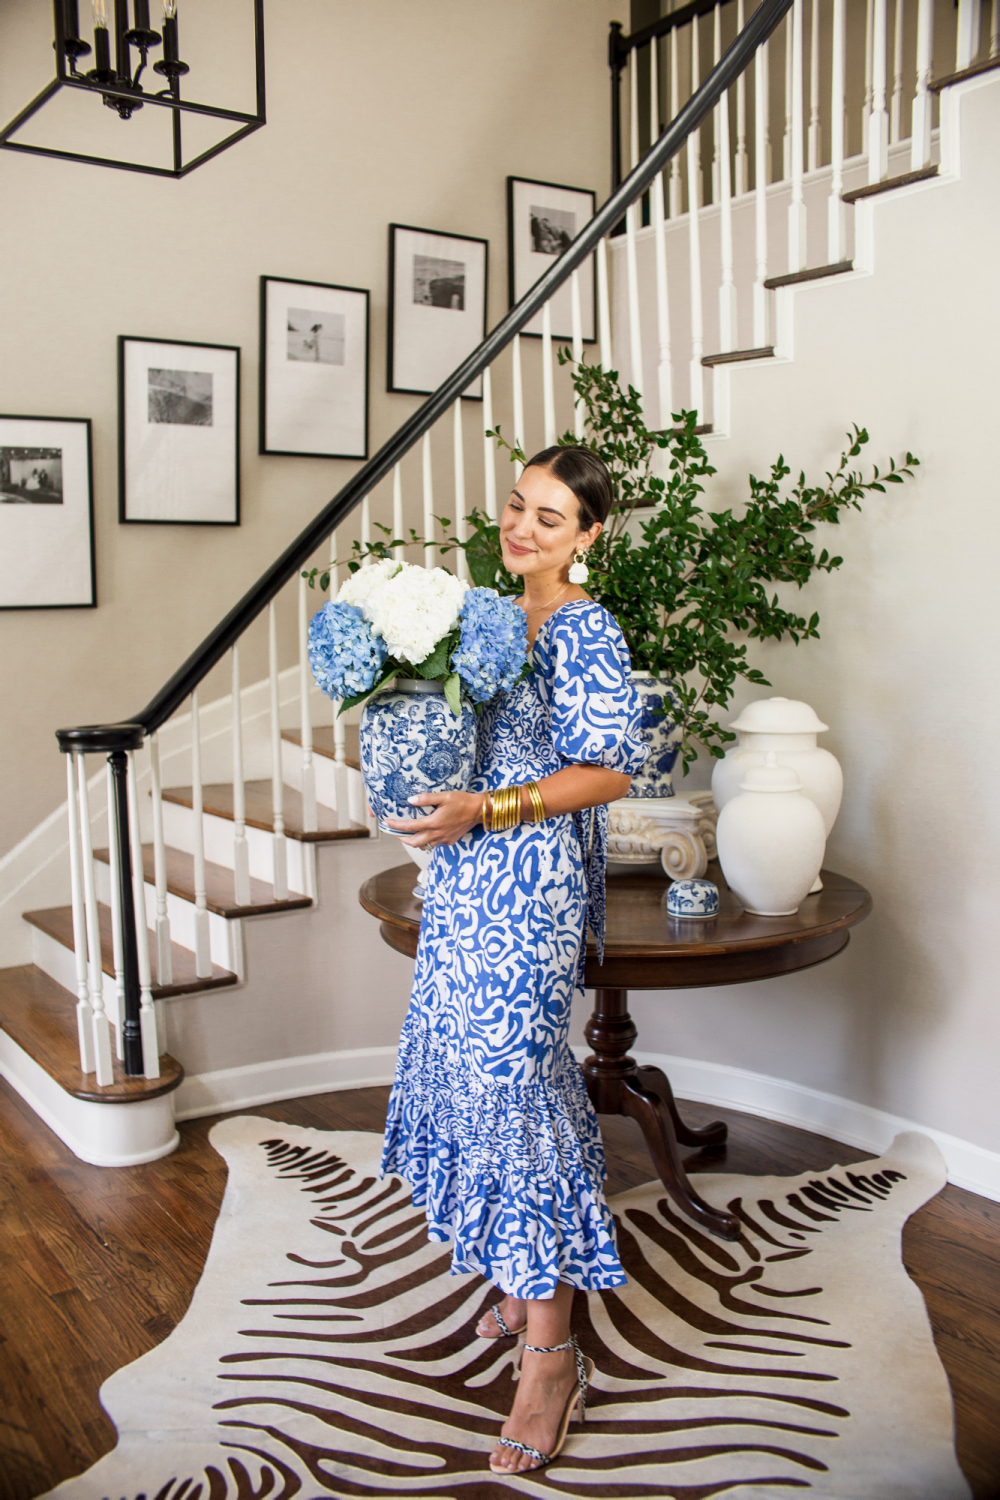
x,y
179,400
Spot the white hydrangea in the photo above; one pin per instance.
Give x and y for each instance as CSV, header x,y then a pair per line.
x,y
358,587
414,610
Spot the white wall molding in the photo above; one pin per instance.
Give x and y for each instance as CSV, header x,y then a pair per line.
x,y
969,1166
283,1078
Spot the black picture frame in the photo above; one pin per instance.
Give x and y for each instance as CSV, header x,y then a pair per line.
x,y
418,346
290,405
46,570
522,273
192,473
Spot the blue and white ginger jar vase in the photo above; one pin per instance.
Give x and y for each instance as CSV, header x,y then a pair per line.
x,y
411,742
659,728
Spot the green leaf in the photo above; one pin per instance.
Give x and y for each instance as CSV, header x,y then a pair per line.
x,y
436,665
453,693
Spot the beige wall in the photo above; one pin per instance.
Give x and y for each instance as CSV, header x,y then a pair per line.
x,y
377,112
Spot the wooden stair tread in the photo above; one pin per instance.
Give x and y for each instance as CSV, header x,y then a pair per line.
x,y
813,273
219,892
737,356
903,180
322,742
218,800
40,1016
57,923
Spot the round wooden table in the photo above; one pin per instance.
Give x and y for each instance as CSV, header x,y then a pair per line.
x,y
648,950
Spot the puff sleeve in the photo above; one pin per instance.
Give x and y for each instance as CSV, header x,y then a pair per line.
x,y
595,710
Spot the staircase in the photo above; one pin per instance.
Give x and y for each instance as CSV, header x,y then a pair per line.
x,y
207,879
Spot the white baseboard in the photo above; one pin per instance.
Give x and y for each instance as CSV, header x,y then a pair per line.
x,y
284,1078
969,1166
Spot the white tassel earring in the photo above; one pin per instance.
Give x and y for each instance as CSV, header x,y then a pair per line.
x,y
579,572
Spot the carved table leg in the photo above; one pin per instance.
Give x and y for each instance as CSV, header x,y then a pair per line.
x,y
618,1087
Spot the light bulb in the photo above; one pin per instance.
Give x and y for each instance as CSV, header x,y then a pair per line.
x,y
170,10
101,14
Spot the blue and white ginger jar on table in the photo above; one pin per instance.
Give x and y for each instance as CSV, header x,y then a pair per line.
x,y
411,742
659,728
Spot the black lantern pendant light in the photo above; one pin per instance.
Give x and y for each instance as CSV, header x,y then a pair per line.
x,y
119,82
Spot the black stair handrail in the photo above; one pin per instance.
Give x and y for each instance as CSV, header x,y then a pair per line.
x,y
215,645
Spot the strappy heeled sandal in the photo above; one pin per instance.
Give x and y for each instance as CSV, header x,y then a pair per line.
x,y
584,1370
505,1332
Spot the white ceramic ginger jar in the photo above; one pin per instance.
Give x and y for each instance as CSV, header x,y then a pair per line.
x,y
789,728
771,840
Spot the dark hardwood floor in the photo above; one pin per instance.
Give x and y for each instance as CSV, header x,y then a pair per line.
x,y
98,1266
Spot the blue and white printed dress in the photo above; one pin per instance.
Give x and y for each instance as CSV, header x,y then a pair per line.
x,y
489,1119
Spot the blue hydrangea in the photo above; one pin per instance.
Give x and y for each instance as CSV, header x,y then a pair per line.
x,y
494,644
344,655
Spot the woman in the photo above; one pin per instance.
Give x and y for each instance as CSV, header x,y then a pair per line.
x,y
489,1119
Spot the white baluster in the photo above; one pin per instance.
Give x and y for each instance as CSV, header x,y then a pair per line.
x,y
696,398
147,1013
797,207
604,307
786,139
164,954
279,847
760,156
631,226
84,1013
717,111
518,400
202,934
241,849
814,127
103,1065
741,176
576,316
867,107
727,289
878,124
428,478
896,106
397,516
837,208
967,41
664,382
366,527
339,726
310,817
548,386
117,946
995,29
674,38
489,449
462,564
920,128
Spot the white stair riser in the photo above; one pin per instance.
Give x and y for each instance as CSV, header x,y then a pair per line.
x,y
218,834
226,946
327,776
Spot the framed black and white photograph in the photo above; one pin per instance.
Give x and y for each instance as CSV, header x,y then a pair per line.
x,y
313,369
542,221
437,306
46,514
178,432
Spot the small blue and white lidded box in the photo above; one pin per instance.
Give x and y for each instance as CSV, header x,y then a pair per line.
x,y
695,900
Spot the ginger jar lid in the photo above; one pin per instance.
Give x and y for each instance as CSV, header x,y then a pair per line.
x,y
772,776
779,716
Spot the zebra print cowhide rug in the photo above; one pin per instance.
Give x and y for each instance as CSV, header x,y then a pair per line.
x,y
328,1351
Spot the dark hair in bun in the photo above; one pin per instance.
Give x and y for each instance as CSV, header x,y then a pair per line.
x,y
585,474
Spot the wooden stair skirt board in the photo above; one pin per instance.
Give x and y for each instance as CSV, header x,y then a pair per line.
x,y
40,1059
903,180
57,923
814,273
219,885
971,72
322,743
217,799
737,356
